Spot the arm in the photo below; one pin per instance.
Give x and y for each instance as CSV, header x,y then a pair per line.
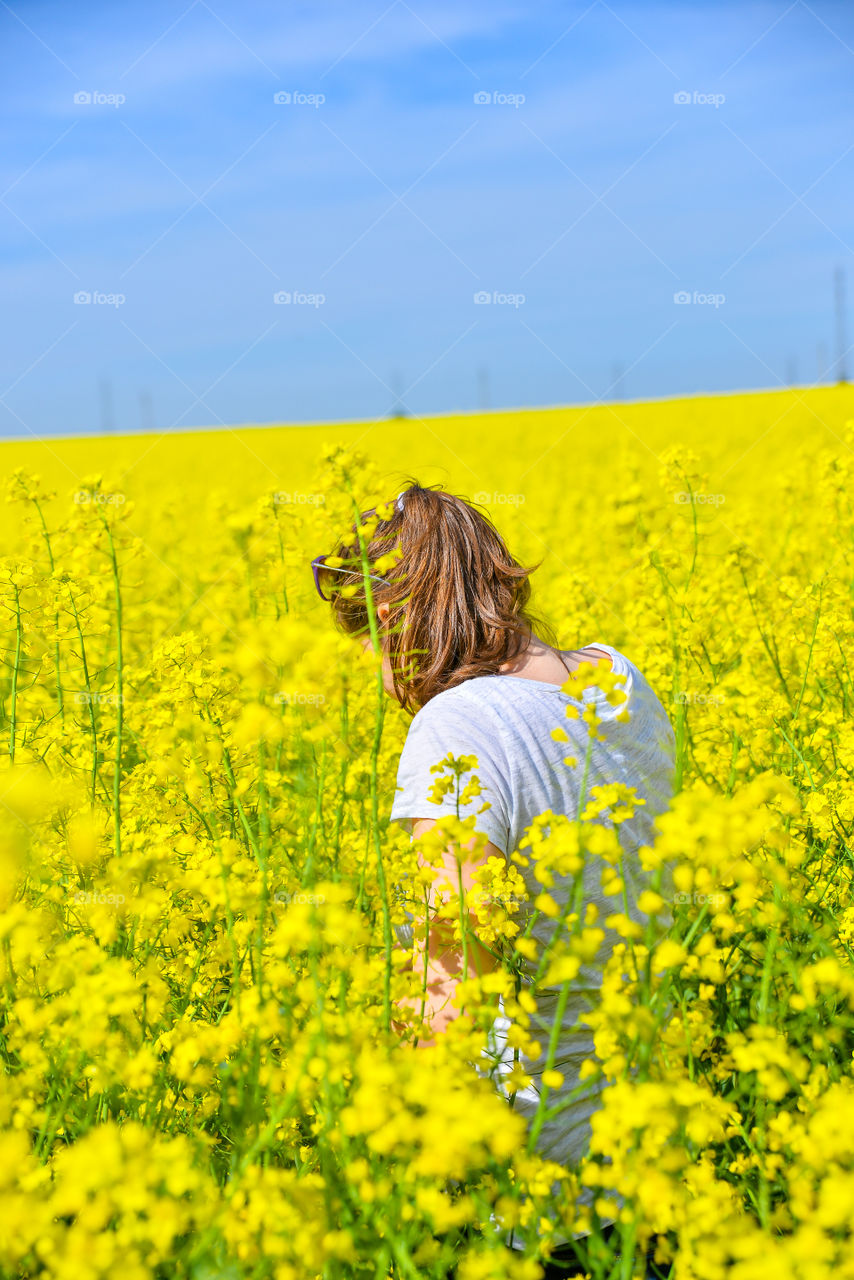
x,y
444,956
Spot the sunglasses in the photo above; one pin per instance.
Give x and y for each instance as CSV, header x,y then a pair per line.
x,y
319,565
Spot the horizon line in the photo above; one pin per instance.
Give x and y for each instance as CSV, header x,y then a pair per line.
x,y
403,417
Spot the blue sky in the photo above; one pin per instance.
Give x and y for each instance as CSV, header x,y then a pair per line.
x,y
383,197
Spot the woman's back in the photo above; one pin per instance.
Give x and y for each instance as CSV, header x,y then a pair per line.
x,y
506,721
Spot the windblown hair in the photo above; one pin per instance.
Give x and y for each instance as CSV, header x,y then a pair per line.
x,y
458,600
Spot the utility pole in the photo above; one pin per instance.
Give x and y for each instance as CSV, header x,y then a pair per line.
x,y
839,307
791,370
398,409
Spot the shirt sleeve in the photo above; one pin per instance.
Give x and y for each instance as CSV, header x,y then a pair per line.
x,y
444,725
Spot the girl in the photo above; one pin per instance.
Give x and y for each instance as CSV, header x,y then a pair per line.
x,y
482,676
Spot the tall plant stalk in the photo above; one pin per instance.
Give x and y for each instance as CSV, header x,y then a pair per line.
x,y
374,762
13,709
56,659
89,699
117,767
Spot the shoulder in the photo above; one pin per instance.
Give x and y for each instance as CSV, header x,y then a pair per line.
x,y
465,720
462,721
473,703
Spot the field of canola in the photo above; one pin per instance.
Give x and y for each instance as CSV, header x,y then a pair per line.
x,y
197,957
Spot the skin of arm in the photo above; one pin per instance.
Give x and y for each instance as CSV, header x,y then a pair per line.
x,y
444,956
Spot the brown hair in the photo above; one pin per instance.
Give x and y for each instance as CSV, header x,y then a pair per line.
x,y
458,599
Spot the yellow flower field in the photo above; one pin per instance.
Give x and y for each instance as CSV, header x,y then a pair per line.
x,y
198,876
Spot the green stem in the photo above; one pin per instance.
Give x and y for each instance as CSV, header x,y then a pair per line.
x,y
13,716
117,770
772,655
375,748
56,658
91,705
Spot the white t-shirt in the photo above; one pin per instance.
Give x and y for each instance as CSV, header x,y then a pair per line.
x,y
507,721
